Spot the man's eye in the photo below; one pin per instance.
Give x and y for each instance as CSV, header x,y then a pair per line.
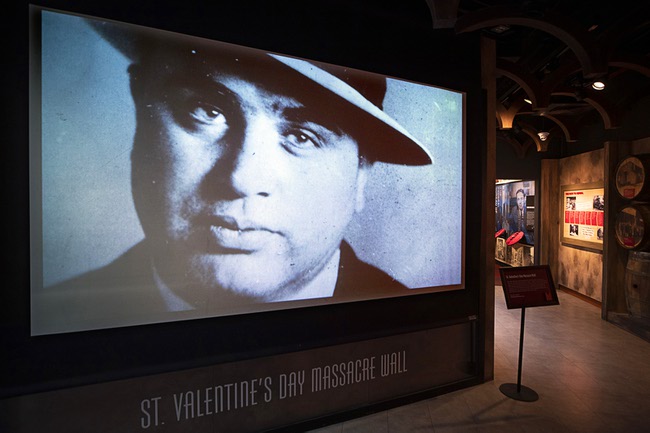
x,y
302,139
207,114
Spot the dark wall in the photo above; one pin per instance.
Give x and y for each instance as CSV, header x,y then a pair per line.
x,y
511,165
355,34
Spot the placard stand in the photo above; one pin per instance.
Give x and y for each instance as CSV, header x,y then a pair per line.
x,y
516,390
529,286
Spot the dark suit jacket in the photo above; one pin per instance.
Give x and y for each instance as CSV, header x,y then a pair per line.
x,y
517,222
124,293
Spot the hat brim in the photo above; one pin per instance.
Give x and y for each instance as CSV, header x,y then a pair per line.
x,y
398,145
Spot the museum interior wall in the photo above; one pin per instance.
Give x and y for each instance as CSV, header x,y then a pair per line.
x,y
594,158
579,270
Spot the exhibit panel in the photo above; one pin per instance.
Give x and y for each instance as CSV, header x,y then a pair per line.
x,y
583,215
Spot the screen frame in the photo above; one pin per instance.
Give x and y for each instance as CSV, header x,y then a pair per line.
x,y
113,354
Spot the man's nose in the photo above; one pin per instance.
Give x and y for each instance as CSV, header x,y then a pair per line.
x,y
256,163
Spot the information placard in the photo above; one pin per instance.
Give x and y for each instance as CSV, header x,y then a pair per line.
x,y
583,215
528,286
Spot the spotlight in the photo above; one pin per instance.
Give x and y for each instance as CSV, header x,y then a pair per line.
x,y
598,85
543,135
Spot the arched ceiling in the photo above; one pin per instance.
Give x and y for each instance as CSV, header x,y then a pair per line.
x,y
549,52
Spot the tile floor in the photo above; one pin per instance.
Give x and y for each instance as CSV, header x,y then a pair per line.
x,y
591,376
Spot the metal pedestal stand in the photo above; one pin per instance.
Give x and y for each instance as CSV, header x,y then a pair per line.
x,y
517,391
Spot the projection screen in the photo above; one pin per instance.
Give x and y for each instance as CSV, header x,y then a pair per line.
x,y
175,178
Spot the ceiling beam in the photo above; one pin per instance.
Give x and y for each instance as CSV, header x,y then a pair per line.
x,y
579,40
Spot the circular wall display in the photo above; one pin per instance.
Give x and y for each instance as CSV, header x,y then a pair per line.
x,y
631,230
630,177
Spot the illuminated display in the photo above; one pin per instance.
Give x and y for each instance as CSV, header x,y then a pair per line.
x,y
177,178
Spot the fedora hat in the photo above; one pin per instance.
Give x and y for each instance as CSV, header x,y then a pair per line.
x,y
359,94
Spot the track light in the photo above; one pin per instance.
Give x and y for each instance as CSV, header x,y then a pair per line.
x,y
598,85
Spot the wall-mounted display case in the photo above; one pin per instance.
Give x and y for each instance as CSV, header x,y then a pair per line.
x,y
515,216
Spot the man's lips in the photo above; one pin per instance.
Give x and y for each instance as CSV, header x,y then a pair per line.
x,y
237,236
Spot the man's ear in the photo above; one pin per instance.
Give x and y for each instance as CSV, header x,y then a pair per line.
x,y
362,180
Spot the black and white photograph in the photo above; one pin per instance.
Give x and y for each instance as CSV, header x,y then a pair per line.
x,y
501,249
570,203
599,202
178,178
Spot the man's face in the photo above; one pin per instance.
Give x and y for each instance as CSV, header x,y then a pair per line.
x,y
241,190
521,201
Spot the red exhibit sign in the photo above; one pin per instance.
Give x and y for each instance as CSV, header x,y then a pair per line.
x,y
499,233
528,286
